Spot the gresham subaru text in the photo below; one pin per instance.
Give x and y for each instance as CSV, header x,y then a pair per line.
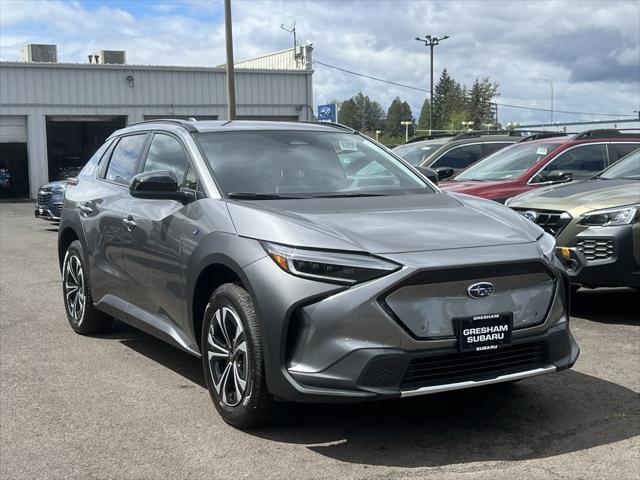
x,y
254,247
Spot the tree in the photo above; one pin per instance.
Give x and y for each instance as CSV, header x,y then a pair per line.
x,y
423,122
361,113
398,112
449,103
349,115
480,102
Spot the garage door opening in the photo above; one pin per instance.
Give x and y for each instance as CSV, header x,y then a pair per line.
x,y
72,140
14,161
14,170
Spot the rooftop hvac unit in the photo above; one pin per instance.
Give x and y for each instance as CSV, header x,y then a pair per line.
x,y
40,53
113,57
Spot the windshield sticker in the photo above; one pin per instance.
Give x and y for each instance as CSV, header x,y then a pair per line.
x,y
346,145
541,151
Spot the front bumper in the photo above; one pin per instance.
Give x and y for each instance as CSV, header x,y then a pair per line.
x,y
50,211
609,256
328,343
392,373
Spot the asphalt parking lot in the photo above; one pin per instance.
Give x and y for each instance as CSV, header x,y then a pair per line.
x,y
125,405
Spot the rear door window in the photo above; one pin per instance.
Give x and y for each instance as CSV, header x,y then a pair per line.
x,y
489,148
620,150
582,162
124,159
459,157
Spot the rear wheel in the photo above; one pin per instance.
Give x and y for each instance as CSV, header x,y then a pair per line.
x,y
81,314
232,358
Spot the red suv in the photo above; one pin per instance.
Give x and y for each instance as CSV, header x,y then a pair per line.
x,y
543,159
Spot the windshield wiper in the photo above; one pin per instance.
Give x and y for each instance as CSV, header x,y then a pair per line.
x,y
259,196
350,194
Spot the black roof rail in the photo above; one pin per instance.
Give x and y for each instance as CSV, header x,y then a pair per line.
x,y
540,135
480,133
428,137
604,133
176,121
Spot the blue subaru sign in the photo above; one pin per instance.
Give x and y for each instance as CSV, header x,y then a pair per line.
x,y
328,113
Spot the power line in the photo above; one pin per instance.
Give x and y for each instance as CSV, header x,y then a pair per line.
x,y
498,104
370,77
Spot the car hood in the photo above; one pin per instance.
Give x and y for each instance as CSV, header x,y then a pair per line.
x,y
579,197
52,186
386,224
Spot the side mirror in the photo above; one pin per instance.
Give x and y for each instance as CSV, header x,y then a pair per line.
x,y
158,185
444,172
430,173
559,176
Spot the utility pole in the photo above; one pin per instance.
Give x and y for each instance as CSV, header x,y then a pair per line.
x,y
431,41
228,35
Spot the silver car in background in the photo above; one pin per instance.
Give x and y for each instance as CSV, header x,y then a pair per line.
x,y
253,246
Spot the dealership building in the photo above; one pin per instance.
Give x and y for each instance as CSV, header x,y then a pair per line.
x,y
53,116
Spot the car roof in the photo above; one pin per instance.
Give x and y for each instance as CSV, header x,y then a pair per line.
x,y
203,126
462,141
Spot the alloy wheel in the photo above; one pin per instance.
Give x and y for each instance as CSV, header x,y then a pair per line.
x,y
74,288
227,356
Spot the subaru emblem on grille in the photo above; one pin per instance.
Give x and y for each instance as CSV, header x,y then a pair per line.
x,y
530,215
480,290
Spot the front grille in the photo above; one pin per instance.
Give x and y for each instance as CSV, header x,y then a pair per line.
x,y
553,222
596,248
43,197
455,367
56,210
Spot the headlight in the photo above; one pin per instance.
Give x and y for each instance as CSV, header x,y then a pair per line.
x,y
325,266
611,216
547,244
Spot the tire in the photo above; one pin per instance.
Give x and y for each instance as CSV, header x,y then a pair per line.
x,y
83,317
232,359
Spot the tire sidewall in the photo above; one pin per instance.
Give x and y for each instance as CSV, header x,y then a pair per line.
x,y
234,415
75,249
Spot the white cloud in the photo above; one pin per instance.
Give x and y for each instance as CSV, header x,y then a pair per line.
x,y
589,49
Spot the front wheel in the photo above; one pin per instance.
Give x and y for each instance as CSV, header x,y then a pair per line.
x,y
232,358
82,315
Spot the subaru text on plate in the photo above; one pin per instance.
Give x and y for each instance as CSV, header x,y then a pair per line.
x,y
247,244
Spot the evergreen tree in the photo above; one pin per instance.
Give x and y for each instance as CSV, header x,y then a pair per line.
x,y
423,122
361,113
349,115
480,101
398,112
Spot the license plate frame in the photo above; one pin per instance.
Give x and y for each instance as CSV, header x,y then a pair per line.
x,y
485,332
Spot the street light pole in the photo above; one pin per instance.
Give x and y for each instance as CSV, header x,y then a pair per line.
x,y
431,41
406,129
231,89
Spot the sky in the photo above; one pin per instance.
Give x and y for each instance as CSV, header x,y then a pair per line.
x,y
590,50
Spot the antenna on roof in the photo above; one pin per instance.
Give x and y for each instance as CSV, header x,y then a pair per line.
x,y
292,29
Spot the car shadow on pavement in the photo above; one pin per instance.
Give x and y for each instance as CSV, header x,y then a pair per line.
x,y
536,418
607,305
159,351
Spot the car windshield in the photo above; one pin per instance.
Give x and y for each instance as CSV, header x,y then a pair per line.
x,y
414,154
626,168
280,163
509,162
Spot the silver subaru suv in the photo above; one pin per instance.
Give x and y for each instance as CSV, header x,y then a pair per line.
x,y
254,246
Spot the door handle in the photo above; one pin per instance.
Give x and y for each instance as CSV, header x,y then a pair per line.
x,y
86,209
129,223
